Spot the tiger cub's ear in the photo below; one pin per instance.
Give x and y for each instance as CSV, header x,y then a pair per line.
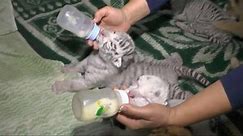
x,y
117,62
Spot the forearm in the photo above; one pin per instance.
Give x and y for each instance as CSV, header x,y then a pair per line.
x,y
135,10
208,103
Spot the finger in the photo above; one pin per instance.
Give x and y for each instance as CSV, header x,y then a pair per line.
x,y
131,123
135,111
89,42
95,45
124,87
108,27
101,13
115,88
111,28
103,25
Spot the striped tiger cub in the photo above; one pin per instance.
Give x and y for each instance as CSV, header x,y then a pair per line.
x,y
116,63
198,17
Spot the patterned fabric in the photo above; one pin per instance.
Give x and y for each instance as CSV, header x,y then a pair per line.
x,y
155,35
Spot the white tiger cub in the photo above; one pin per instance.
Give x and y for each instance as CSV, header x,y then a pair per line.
x,y
117,63
152,89
114,54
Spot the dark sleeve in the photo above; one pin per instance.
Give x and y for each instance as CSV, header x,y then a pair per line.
x,y
156,4
233,86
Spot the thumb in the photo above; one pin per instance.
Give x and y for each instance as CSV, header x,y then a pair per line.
x,y
100,14
135,111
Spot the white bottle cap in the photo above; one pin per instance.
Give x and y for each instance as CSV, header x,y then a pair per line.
x,y
124,96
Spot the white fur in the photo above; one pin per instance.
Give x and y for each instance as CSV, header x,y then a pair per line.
x,y
149,89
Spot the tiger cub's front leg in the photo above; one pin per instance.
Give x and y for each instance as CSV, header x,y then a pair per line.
x,y
72,85
86,81
80,67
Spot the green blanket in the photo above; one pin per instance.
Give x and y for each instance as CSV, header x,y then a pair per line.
x,y
27,105
155,35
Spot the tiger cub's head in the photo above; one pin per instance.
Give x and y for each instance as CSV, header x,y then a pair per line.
x,y
116,47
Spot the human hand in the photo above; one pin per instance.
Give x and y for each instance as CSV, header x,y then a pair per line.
x,y
149,116
111,19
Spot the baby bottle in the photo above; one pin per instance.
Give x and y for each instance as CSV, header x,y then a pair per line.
x,y
73,20
98,103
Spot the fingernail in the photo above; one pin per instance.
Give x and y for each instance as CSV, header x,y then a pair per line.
x,y
122,108
94,20
96,47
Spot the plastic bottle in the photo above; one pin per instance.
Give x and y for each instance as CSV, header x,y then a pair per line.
x,y
73,20
98,103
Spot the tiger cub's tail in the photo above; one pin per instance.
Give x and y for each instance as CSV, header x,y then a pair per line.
x,y
190,73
